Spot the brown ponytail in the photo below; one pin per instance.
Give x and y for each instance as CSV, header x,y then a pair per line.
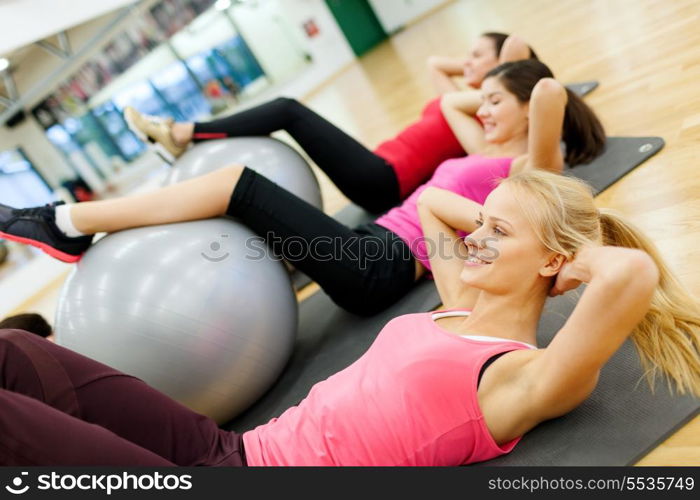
x,y
498,40
583,133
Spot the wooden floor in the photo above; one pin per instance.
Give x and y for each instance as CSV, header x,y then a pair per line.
x,y
646,55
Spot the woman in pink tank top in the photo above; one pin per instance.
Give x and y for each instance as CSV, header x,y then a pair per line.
x,y
451,388
376,180
525,113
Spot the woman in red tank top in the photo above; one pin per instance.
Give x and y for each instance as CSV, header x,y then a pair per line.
x,y
375,180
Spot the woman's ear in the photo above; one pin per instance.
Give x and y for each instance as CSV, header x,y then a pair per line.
x,y
553,265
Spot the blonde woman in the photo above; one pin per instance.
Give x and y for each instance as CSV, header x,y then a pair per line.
x,y
444,388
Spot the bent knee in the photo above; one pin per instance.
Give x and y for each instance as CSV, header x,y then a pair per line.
x,y
231,169
10,336
288,102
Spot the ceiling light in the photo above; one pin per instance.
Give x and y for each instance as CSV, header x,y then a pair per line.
x,y
222,4
4,63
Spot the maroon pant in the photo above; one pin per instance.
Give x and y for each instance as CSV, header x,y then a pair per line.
x,y
60,408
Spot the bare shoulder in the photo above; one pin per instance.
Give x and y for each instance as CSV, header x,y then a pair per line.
x,y
513,397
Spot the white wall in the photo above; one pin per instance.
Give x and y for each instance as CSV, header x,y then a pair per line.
x,y
329,49
275,33
269,39
394,14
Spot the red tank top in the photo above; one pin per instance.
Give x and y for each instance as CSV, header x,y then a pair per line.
x,y
417,151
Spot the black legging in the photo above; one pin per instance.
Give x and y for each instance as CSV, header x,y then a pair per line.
x,y
364,270
365,178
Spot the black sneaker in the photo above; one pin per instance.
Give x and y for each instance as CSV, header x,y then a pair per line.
x,y
37,227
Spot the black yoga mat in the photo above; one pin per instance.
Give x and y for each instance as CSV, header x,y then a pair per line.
x,y
582,88
621,156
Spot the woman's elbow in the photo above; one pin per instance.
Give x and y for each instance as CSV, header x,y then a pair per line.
x,y
645,270
636,269
425,197
514,49
448,100
549,88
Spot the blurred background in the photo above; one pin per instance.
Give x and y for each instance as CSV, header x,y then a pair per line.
x,y
68,70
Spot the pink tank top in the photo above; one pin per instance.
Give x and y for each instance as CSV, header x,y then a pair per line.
x,y
472,176
417,151
411,399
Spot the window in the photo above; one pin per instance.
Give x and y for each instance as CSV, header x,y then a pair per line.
x,y
21,185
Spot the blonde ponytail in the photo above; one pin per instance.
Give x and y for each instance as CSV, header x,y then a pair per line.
x,y
562,210
668,337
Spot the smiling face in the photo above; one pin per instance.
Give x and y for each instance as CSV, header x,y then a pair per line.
x,y
503,116
506,254
483,58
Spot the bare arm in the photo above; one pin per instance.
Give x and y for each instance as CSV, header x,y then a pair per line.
x,y
546,120
459,109
621,282
514,49
441,70
441,214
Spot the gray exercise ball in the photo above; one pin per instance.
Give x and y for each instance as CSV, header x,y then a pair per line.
x,y
199,310
267,156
